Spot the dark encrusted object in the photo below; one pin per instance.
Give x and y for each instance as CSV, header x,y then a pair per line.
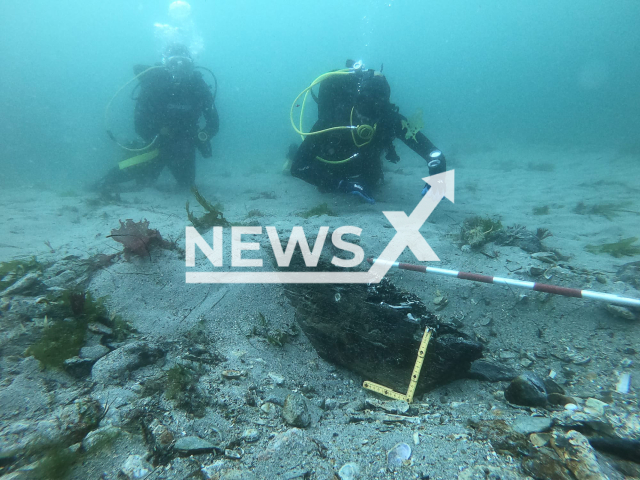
x,y
528,389
138,238
375,330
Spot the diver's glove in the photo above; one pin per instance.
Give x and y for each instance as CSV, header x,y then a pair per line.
x,y
437,164
354,188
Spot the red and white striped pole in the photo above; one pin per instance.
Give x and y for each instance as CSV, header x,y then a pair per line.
x,y
538,287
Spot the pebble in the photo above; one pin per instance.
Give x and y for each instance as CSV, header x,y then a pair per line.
x,y
78,367
578,456
595,407
330,404
527,425
99,328
251,435
621,312
26,284
398,456
116,366
295,411
136,468
233,374
233,454
528,390
193,446
539,439
269,408
94,352
99,437
349,471
276,379
546,257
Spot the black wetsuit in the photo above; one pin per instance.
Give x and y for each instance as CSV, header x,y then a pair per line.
x,y
354,99
170,111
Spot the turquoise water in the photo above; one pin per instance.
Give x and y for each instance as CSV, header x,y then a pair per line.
x,y
485,73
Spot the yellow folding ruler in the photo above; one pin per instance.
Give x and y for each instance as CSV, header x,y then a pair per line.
x,y
387,392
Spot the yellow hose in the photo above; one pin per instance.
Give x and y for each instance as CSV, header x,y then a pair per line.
x,y
365,132
107,111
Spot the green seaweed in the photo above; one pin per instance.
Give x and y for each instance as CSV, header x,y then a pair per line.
x,y
606,210
120,327
413,125
322,209
14,270
60,340
476,231
544,210
57,463
623,248
181,387
213,216
64,336
254,213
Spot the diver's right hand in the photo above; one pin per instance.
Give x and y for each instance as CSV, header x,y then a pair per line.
x,y
354,188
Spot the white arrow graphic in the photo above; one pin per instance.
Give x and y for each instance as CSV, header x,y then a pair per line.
x,y
408,227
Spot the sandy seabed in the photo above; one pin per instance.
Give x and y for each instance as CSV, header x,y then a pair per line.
x,y
524,330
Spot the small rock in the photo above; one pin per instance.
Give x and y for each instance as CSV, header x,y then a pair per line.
x,y
546,257
398,407
295,411
330,404
99,328
528,425
621,312
233,374
193,446
490,372
539,439
161,437
488,472
595,407
527,389
237,475
552,386
276,379
232,454
94,352
506,355
526,363
30,283
99,437
78,367
536,271
118,365
269,408
349,471
136,468
251,435
560,399
398,456
578,456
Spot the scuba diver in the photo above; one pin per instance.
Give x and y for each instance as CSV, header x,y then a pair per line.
x,y
172,99
356,124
